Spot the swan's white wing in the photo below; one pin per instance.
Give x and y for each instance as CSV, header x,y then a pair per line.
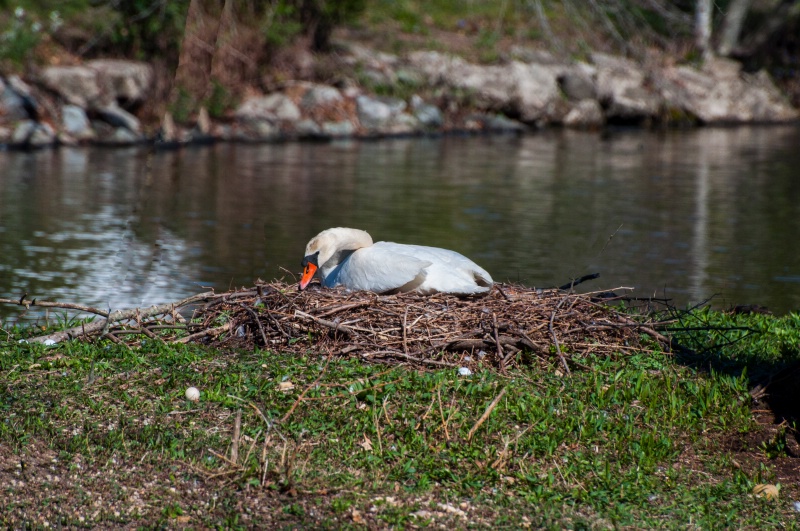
x,y
447,271
381,268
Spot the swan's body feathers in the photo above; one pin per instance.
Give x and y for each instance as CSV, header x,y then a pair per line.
x,y
347,257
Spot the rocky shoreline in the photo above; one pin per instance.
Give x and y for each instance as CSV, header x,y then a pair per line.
x,y
96,102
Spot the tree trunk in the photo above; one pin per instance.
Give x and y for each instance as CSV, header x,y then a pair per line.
x,y
780,16
702,27
732,26
192,76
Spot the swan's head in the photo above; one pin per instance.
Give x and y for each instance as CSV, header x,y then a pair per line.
x,y
327,249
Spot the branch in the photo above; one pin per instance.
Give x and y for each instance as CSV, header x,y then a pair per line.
x,y
86,329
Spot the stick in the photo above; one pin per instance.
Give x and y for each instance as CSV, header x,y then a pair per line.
x,y
49,304
441,414
405,344
237,426
486,414
324,322
210,332
114,317
343,307
258,322
500,356
392,353
553,333
300,398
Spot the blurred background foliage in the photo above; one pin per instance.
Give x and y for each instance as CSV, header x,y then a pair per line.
x,y
264,41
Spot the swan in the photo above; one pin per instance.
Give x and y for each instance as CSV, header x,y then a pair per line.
x,y
348,257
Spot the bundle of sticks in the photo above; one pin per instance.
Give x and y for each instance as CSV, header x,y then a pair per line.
x,y
510,325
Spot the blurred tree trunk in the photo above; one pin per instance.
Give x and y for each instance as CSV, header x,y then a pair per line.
x,y
732,27
702,27
779,18
239,46
193,74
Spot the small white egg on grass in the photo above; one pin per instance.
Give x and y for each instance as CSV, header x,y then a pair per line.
x,y
193,394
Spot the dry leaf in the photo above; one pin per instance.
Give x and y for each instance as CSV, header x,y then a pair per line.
x,y
367,444
285,386
769,492
357,518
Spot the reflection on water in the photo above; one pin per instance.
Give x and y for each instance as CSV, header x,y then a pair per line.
x,y
686,214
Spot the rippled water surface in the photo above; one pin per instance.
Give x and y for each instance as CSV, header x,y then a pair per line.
x,y
683,214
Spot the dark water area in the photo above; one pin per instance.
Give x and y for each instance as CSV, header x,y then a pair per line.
x,y
687,215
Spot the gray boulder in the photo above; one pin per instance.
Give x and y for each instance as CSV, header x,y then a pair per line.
x,y
75,123
378,114
77,85
622,89
321,96
586,114
429,116
33,134
127,82
272,107
529,90
721,93
12,104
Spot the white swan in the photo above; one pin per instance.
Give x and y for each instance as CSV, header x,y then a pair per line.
x,y
347,257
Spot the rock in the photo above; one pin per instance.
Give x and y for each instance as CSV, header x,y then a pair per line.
x,y
403,124
307,128
116,116
75,123
123,136
585,114
169,131
376,113
75,84
428,115
721,93
501,123
529,90
29,133
111,135
203,126
321,96
12,104
622,91
536,94
264,130
493,123
127,82
343,128
273,107
378,67
577,84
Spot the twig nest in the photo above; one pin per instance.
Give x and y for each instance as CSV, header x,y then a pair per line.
x,y
193,394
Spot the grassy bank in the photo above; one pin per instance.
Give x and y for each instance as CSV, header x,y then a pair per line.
x,y
103,434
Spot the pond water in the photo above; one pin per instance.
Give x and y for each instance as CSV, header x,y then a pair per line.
x,y
686,215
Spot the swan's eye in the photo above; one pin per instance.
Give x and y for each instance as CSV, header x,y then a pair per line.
x,y
310,259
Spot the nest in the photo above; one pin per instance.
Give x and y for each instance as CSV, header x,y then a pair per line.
x,y
511,325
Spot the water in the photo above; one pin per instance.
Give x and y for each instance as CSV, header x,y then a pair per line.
x,y
683,214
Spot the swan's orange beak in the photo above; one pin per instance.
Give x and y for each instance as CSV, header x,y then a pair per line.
x,y
308,274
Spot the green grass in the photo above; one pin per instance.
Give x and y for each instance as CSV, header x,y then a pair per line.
x,y
633,443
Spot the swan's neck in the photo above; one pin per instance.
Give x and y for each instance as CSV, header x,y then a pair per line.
x,y
336,245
